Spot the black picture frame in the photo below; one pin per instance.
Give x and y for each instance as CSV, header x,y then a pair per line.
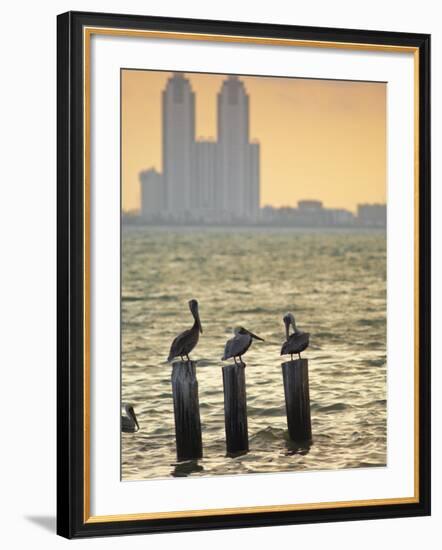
x,y
71,519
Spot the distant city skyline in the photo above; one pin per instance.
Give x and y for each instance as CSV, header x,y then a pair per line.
x,y
320,140
203,181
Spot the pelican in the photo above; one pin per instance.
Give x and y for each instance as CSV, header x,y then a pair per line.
x,y
239,344
187,340
129,422
297,341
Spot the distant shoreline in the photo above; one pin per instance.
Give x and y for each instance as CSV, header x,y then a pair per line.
x,y
258,227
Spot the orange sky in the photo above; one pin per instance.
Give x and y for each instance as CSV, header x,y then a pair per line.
x,y
320,139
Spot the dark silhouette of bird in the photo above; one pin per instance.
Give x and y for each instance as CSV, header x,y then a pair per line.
x,y
129,422
296,342
239,344
187,340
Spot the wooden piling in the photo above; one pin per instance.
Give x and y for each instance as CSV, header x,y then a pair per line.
x,y
297,399
189,444
235,409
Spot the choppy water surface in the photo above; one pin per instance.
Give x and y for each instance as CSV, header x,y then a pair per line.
x,y
334,282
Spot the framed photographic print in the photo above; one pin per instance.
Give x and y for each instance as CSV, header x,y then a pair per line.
x,y
243,274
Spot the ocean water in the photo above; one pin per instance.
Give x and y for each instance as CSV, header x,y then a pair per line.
x,y
333,281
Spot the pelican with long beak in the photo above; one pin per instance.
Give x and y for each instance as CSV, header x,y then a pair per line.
x,y
296,342
187,340
129,422
239,344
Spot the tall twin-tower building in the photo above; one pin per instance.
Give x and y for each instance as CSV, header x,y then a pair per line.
x,y
208,181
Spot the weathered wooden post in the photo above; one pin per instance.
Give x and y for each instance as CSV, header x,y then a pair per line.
x,y
189,444
297,399
235,409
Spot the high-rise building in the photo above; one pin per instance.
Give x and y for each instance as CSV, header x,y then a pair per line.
x,y
374,215
178,146
152,195
252,198
310,205
204,182
238,159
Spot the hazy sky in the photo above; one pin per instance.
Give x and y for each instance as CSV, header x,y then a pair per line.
x,y
320,139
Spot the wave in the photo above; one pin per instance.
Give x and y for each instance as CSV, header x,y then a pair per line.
x,y
262,411
159,298
132,298
371,322
335,407
268,435
376,402
371,464
252,310
328,335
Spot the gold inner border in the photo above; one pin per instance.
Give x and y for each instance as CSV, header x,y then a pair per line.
x,y
87,33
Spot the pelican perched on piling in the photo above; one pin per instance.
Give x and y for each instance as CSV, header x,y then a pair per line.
x,y
239,344
187,340
297,341
129,422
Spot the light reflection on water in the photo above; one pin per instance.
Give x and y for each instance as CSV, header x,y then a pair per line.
x,y
334,283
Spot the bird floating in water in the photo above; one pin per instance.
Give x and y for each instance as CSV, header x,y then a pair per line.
x,y
297,341
129,422
187,340
239,344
